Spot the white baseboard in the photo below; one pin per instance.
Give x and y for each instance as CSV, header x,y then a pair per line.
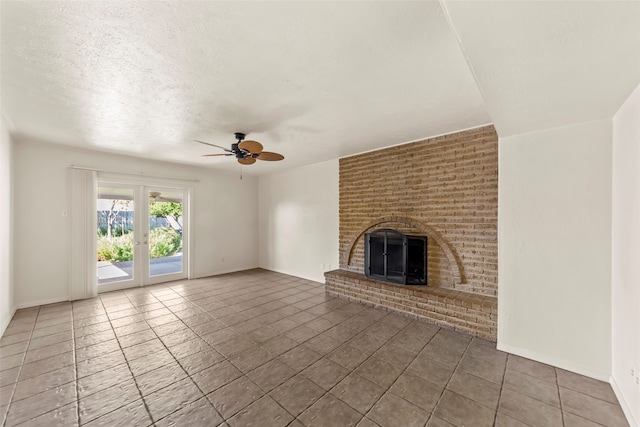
x,y
5,322
558,363
289,273
42,302
623,404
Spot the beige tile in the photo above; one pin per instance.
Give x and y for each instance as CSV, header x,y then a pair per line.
x,y
143,349
107,400
442,355
170,399
216,376
159,378
66,416
43,366
392,410
418,391
9,376
330,411
486,350
530,367
438,422
528,410
11,349
189,347
503,420
483,369
475,388
533,387
92,339
299,357
5,394
41,403
150,362
348,356
233,397
271,374
366,422
358,392
234,346
97,350
11,362
197,362
592,408
279,345
572,420
395,354
323,343
263,409
431,370
132,414
104,379
379,371
248,360
15,338
459,410
582,384
325,373
44,382
297,394
199,413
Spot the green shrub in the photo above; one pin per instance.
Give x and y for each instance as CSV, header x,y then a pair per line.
x,y
164,241
115,248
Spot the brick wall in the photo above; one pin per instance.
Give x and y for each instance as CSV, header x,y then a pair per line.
x,y
445,187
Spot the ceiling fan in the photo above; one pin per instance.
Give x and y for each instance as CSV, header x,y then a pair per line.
x,y
246,151
156,196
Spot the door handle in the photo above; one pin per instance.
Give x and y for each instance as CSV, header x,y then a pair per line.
x,y
137,243
145,242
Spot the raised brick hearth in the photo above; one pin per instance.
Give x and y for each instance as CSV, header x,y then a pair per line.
x,y
445,188
462,311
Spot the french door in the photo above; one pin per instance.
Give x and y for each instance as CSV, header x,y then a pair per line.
x,y
142,235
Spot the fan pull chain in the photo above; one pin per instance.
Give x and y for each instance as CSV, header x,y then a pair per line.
x,y
240,173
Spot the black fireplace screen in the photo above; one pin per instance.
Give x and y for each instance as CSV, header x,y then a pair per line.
x,y
395,257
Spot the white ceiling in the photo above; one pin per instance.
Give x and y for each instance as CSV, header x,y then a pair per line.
x,y
311,80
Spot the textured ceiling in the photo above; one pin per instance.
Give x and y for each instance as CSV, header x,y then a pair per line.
x,y
311,80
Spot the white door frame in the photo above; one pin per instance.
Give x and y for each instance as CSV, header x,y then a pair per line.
x,y
142,187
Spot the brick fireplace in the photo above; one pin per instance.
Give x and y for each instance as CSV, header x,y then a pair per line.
x,y
445,188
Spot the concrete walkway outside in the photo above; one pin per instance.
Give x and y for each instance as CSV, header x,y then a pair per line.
x,y
109,272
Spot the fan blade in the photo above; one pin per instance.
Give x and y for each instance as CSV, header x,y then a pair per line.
x,y
213,145
271,157
247,161
169,200
221,154
254,147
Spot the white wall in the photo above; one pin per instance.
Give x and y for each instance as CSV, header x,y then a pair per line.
x,y
299,221
224,216
554,210
625,252
7,306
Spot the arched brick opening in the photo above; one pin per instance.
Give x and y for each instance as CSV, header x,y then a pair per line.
x,y
455,266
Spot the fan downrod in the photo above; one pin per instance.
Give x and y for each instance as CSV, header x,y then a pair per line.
x,y
240,136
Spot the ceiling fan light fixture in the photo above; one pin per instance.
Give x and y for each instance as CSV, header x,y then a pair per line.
x,y
246,151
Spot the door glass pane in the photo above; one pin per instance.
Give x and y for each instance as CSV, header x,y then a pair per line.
x,y
115,234
165,232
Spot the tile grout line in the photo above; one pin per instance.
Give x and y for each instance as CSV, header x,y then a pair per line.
x,y
126,361
504,375
24,357
75,364
445,386
364,361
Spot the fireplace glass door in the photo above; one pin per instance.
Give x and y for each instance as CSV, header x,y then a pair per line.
x,y
395,257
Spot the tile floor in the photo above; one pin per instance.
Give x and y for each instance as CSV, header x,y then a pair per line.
x,y
258,348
